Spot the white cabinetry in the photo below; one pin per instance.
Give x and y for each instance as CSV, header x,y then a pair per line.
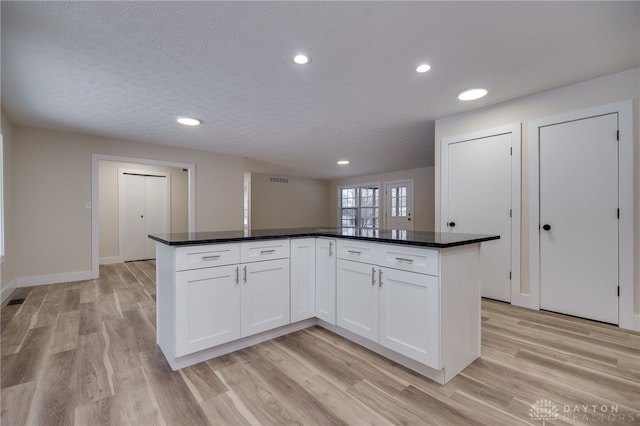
x,y
358,298
417,306
393,307
303,278
265,296
326,280
211,295
409,314
207,296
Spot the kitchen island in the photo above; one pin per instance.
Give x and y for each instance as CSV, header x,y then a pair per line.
x,y
413,297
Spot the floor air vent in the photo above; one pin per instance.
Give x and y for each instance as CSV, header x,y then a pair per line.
x,y
15,302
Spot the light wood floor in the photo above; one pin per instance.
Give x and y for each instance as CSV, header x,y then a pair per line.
x,y
84,353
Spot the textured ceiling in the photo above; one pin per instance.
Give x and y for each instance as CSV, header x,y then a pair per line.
x,y
128,69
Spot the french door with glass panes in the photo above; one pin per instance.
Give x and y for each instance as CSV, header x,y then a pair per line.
x,y
399,205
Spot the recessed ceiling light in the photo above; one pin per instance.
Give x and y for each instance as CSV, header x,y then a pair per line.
x,y
472,94
188,121
343,162
301,59
423,68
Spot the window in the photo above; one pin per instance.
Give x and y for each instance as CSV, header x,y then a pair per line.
x,y
359,207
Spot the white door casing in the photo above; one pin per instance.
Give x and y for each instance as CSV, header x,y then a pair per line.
x,y
399,205
627,317
481,195
578,217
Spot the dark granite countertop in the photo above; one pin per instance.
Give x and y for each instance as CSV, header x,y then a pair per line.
x,y
392,236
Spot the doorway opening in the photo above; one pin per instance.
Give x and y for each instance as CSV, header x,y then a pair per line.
x,y
99,189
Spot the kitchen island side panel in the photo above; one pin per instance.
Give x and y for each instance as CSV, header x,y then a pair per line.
x,y
460,307
165,300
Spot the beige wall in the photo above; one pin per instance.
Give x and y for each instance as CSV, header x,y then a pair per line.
x,y
592,93
52,183
7,271
108,203
301,202
422,188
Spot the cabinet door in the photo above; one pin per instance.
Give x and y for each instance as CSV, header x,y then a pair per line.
x,y
357,298
409,315
303,278
326,280
265,296
207,308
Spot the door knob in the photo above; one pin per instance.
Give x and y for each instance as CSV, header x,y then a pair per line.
x,y
546,227
451,224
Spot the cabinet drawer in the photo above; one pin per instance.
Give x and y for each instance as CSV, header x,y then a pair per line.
x,y
255,251
196,257
413,259
358,251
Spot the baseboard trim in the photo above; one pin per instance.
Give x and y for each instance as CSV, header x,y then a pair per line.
x,y
110,260
55,278
6,292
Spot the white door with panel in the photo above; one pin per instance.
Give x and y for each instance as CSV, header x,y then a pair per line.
x,y
357,298
303,278
265,296
145,210
479,202
326,280
207,308
579,218
399,205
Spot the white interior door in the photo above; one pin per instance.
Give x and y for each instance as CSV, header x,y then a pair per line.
x,y
578,218
399,205
479,202
144,205
155,211
135,245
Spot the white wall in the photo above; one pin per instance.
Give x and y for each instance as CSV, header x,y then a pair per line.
x,y
7,270
423,188
108,204
600,91
52,183
300,202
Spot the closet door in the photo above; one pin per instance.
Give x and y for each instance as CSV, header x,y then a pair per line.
x,y
144,204
579,219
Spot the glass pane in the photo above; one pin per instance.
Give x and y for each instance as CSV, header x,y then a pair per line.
x,y
348,217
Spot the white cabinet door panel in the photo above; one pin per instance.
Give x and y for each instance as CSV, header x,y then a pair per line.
x,y
409,315
326,280
265,296
207,308
358,298
303,278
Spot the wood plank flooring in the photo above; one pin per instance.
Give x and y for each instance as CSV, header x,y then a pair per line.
x,y
84,353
